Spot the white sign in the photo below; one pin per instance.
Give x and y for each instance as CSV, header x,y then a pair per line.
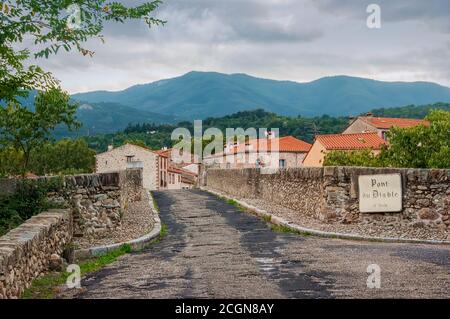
x,y
380,193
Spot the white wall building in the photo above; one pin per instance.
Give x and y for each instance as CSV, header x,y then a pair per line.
x,y
133,156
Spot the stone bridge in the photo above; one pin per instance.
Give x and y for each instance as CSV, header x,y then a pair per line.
x,y
214,250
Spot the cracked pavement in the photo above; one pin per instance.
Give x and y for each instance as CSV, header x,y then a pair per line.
x,y
214,250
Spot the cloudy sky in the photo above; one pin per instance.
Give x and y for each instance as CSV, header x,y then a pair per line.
x,y
299,40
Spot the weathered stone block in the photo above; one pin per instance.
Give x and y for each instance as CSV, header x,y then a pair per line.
x,y
428,214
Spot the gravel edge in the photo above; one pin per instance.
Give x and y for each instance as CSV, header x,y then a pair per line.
x,y
309,231
135,244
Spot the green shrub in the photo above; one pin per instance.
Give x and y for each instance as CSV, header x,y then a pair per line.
x,y
29,199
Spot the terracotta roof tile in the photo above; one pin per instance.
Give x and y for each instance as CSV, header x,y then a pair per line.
x,y
287,144
351,141
388,122
181,171
163,153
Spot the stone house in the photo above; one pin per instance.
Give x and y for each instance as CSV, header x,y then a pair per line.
x,y
270,152
154,166
180,179
380,125
342,142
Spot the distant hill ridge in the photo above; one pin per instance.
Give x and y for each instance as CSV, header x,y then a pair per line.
x,y
198,95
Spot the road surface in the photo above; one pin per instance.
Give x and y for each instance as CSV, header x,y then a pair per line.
x,y
213,250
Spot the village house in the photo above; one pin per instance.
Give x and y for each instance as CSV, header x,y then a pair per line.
x,y
187,166
188,162
323,144
180,179
270,152
154,166
163,166
380,125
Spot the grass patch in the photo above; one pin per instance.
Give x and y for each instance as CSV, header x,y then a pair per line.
x,y
46,287
234,203
155,203
288,230
284,229
97,263
267,218
164,231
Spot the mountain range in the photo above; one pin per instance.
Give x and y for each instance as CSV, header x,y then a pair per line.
x,y
199,95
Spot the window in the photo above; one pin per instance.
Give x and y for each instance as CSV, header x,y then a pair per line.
x,y
129,158
282,163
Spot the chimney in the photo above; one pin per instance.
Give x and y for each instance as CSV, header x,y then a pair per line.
x,y
110,147
351,119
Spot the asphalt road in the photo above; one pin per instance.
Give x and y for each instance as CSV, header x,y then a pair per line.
x,y
213,250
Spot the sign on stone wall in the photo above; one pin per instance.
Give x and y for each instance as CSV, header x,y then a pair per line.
x,y
380,193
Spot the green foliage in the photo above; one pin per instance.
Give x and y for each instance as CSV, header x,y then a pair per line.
x,y
29,199
410,111
284,229
46,287
157,136
25,130
103,260
62,157
49,25
420,146
353,158
10,162
46,22
154,141
415,147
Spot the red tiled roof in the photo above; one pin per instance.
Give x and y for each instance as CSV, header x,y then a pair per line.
x,y
287,144
388,122
351,141
163,153
181,171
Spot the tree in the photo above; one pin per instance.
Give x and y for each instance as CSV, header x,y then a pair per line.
x,y
63,157
52,25
25,130
353,158
422,146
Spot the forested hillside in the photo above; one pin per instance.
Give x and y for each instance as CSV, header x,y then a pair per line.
x,y
156,135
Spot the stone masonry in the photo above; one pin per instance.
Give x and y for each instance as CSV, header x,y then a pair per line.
x,y
330,194
26,251
95,204
99,200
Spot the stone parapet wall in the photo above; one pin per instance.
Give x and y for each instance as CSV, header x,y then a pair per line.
x,y
99,200
95,206
26,251
330,194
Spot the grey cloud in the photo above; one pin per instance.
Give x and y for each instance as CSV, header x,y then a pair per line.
x,y
298,40
392,10
225,21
